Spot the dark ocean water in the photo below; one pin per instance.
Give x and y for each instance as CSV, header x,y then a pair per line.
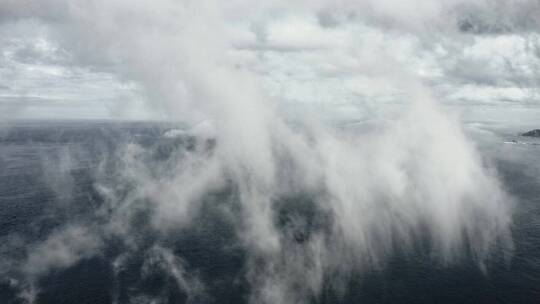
x,y
49,174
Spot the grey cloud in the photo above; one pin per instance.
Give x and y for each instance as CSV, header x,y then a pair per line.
x,y
500,17
29,53
50,10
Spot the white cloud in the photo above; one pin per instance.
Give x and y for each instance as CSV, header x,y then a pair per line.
x,y
298,49
414,172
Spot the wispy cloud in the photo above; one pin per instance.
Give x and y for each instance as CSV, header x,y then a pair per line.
x,y
231,65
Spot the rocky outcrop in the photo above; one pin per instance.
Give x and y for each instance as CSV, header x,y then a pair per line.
x,y
532,133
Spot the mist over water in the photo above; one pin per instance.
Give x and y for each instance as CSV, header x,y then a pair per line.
x,y
238,200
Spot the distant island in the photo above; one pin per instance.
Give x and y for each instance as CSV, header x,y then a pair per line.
x,y
532,133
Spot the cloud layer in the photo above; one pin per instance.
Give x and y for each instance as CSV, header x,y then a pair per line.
x,y
247,73
307,54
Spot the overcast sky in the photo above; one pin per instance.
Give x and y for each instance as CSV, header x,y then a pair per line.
x,y
330,57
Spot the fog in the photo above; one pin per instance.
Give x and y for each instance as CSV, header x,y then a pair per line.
x,y
405,171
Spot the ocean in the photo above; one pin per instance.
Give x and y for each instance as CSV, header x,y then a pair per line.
x,y
58,175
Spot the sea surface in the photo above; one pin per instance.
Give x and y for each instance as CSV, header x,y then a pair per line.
x,y
52,175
